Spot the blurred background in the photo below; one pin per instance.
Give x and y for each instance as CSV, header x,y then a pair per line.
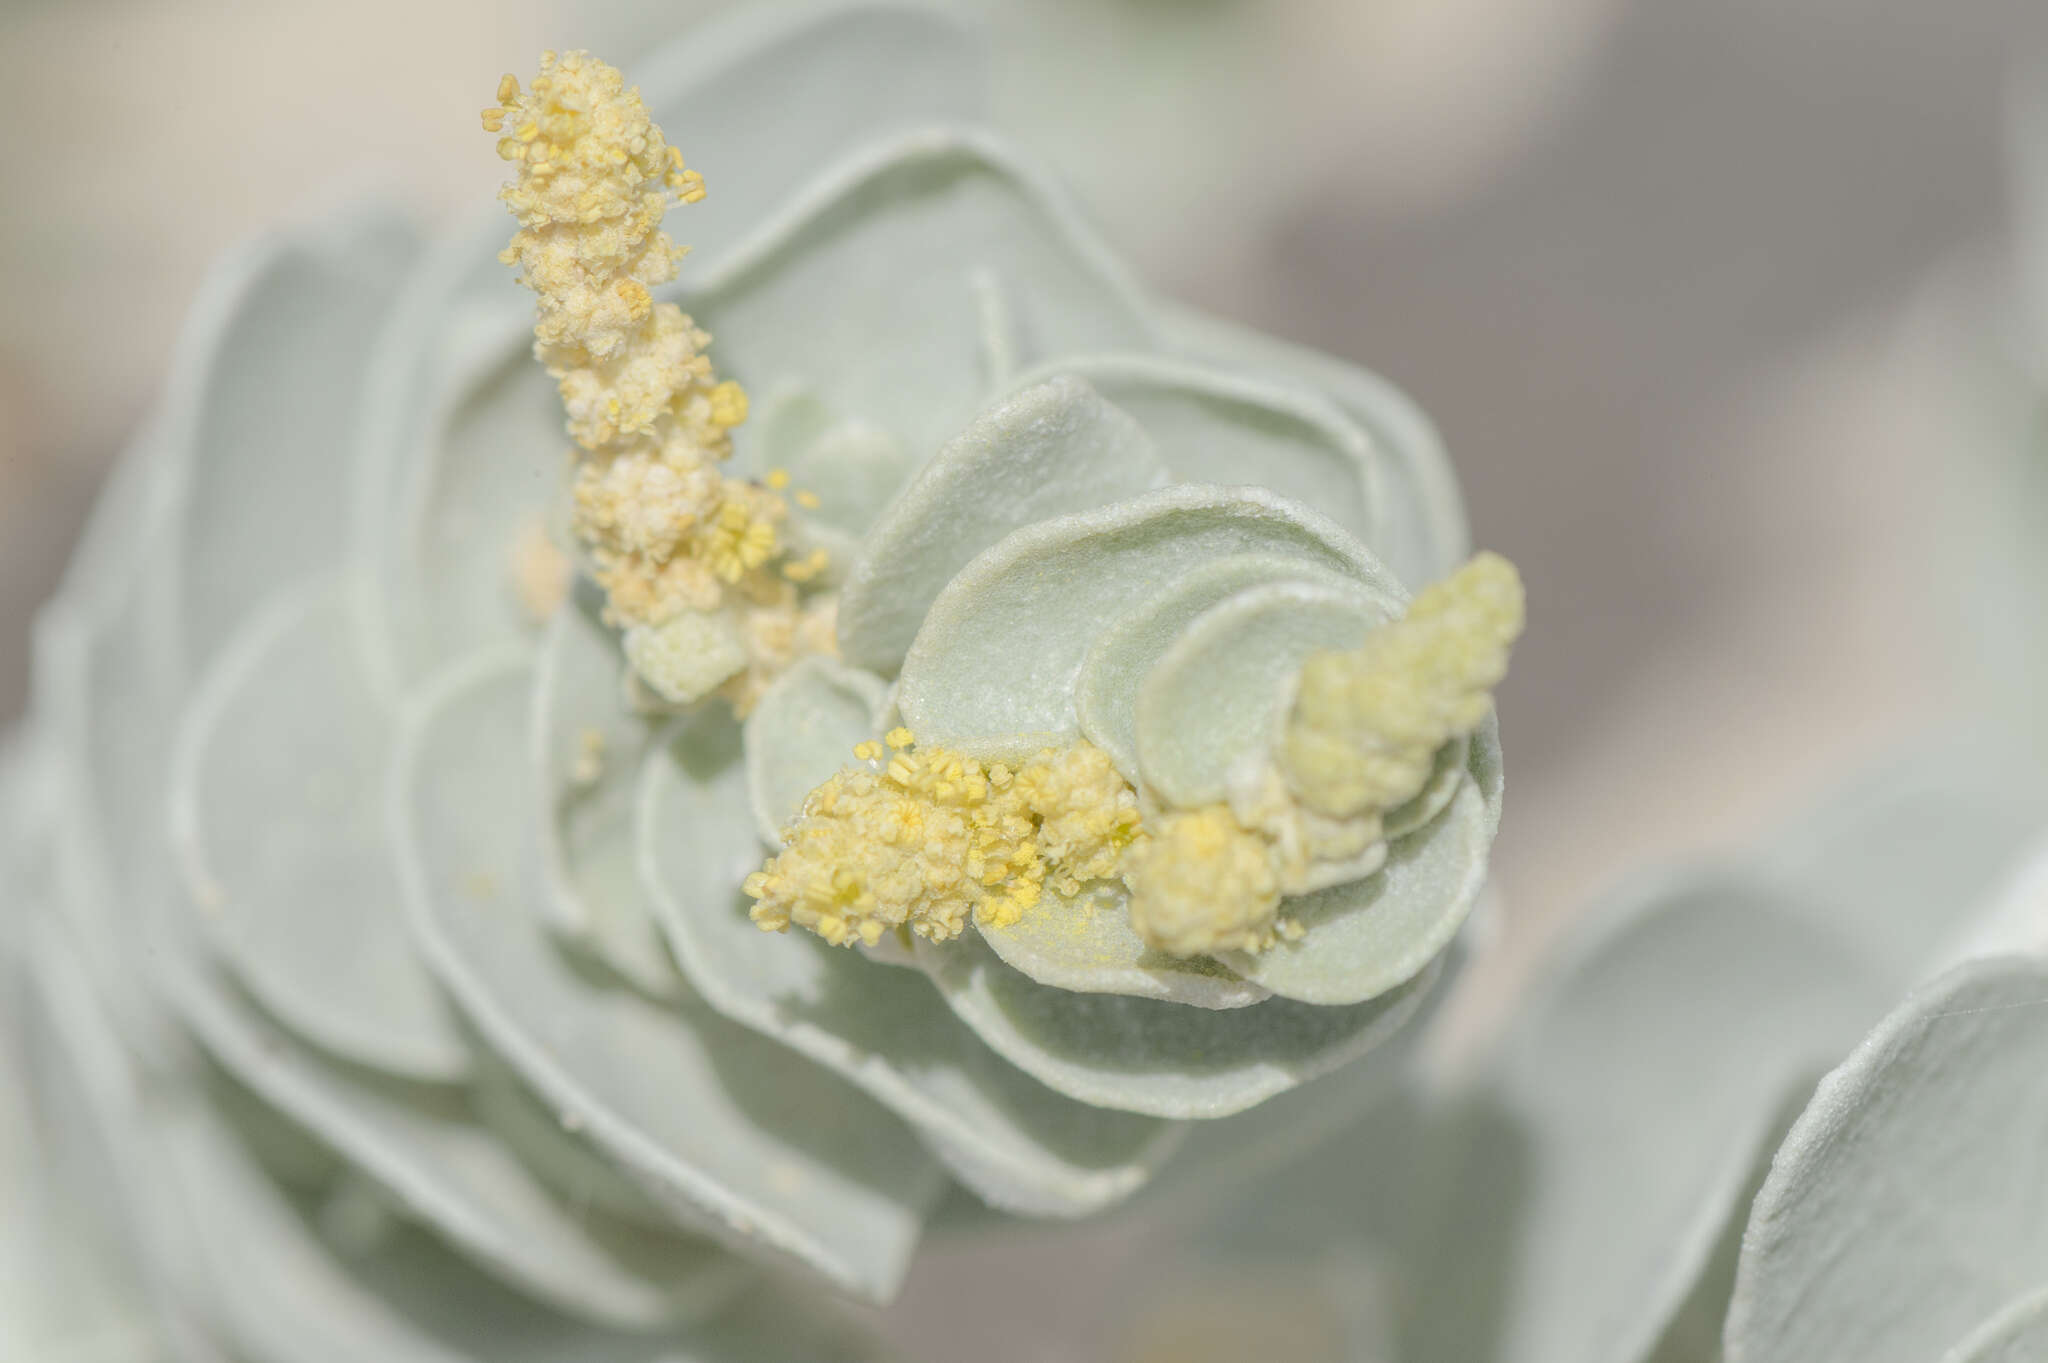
x,y
1701,293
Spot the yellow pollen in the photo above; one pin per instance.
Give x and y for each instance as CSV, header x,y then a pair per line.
x,y
807,568
728,404
932,840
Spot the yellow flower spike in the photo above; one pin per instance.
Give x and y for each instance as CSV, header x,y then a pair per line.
x,y
1366,724
665,532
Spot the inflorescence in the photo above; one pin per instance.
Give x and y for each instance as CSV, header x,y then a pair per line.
x,y
924,839
692,563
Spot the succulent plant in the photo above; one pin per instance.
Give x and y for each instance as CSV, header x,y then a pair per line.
x,y
406,790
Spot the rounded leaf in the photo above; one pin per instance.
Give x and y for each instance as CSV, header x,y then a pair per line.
x,y
276,816
1048,450
1218,697
1018,1145
587,747
1161,1059
1228,426
1906,1203
995,667
802,731
721,1127
1368,935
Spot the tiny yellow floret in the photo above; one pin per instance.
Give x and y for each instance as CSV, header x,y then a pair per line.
x,y
1366,724
1203,883
936,837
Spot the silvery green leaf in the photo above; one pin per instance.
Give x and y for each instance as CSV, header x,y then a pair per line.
x,y
997,660
1420,531
863,290
1147,1056
555,1149
1601,1154
104,690
1453,761
851,466
430,1156
1226,426
460,318
2017,1334
1898,857
275,815
71,674
1017,1145
291,1279
1239,1155
91,1100
64,1286
1905,1207
802,730
1089,946
587,749
1048,450
492,459
718,1125
767,97
252,381
1121,655
1365,936
1218,696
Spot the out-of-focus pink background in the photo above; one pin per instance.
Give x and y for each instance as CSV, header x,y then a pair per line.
x,y
1692,287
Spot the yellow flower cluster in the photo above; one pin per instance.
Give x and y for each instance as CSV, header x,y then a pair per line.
x,y
1367,723
666,534
923,839
931,837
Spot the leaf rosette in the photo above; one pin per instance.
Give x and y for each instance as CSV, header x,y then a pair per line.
x,y
390,945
